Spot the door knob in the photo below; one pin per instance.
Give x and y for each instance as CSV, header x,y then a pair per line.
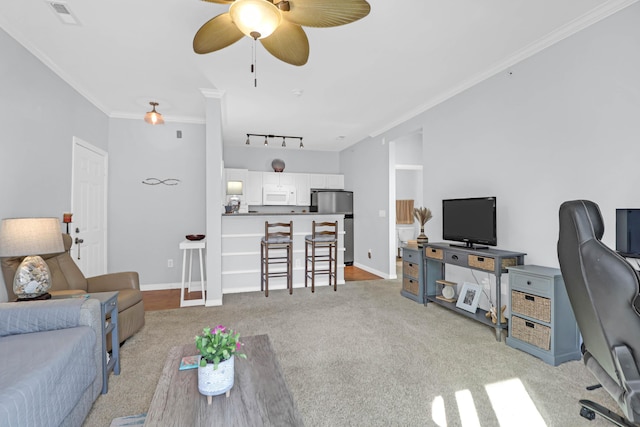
x,y
78,241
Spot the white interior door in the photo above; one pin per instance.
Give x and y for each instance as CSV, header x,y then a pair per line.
x,y
89,208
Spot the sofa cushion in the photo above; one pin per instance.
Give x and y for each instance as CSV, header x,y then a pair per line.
x,y
42,380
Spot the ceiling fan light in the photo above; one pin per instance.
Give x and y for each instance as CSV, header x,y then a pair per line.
x,y
255,18
153,117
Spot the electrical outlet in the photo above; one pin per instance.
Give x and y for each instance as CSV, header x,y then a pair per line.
x,y
369,254
170,263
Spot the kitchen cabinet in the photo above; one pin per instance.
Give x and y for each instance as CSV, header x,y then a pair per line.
x,y
236,174
253,192
278,178
303,189
335,182
326,181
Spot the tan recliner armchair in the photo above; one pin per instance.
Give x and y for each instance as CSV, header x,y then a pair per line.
x,y
67,279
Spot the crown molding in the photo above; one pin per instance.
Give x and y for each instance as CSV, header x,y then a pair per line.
x,y
595,15
212,93
167,118
52,66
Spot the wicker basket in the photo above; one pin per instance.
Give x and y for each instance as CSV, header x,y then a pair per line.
x,y
434,253
411,285
531,332
531,306
482,262
410,269
488,263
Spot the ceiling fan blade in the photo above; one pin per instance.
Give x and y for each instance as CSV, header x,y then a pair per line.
x,y
220,1
325,13
215,34
288,43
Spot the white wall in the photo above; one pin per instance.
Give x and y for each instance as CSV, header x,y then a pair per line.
x,y
148,222
560,125
259,158
39,116
366,171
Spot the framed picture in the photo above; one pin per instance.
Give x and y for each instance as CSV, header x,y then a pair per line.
x,y
469,297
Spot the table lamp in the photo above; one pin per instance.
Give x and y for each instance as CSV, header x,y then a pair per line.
x,y
31,237
234,189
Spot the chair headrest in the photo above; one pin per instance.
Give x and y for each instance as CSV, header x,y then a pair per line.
x,y
586,218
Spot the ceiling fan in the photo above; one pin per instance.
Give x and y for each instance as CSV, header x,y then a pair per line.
x,y
278,26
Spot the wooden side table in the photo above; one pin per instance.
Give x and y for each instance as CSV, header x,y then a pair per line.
x,y
109,305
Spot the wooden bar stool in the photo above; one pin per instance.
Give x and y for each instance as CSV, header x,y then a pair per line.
x,y
277,237
324,236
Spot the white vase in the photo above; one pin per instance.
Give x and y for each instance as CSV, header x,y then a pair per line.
x,y
213,382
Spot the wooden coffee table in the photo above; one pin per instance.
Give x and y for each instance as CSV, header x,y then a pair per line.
x,y
259,395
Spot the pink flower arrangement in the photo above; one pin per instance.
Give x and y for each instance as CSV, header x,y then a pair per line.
x,y
217,345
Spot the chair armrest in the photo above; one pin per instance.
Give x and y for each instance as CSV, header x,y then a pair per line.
x,y
625,364
37,316
113,282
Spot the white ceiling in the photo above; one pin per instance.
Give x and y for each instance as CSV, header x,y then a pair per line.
x,y
360,79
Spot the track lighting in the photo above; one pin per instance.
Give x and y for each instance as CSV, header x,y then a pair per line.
x,y
266,139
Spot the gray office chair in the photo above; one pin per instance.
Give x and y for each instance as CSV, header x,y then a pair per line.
x,y
603,290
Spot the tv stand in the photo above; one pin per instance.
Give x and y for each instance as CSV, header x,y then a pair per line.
x,y
468,246
494,261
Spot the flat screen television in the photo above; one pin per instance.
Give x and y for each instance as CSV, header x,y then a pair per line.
x,y
472,221
628,232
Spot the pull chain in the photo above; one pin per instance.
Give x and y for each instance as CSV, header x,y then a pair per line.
x,y
254,67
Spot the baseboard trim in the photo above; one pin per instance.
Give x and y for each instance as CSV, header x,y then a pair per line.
x,y
195,286
374,271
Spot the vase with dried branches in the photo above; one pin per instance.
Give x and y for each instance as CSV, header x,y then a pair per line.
x,y
423,215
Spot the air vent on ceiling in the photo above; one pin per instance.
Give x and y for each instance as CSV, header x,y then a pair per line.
x,y
63,12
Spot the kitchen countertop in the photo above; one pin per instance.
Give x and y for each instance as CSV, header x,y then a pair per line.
x,y
278,213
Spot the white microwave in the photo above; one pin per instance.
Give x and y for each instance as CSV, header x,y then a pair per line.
x,y
278,195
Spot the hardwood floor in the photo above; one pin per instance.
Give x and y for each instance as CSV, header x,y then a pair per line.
x,y
167,299
352,273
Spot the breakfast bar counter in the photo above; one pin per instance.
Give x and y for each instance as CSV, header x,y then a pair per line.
x,y
241,234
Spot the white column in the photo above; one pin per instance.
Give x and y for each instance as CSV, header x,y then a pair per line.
x,y
213,195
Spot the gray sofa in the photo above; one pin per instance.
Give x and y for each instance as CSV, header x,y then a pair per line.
x,y
50,361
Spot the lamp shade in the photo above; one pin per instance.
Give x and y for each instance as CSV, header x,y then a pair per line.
x,y
234,188
255,18
30,236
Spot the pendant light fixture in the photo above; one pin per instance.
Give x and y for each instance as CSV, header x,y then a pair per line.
x,y
153,117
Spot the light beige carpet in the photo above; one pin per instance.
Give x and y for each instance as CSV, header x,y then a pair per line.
x,y
366,356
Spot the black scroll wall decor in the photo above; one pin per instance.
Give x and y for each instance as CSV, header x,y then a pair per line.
x,y
156,181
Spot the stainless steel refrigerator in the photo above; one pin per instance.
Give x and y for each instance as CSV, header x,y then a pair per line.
x,y
341,202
